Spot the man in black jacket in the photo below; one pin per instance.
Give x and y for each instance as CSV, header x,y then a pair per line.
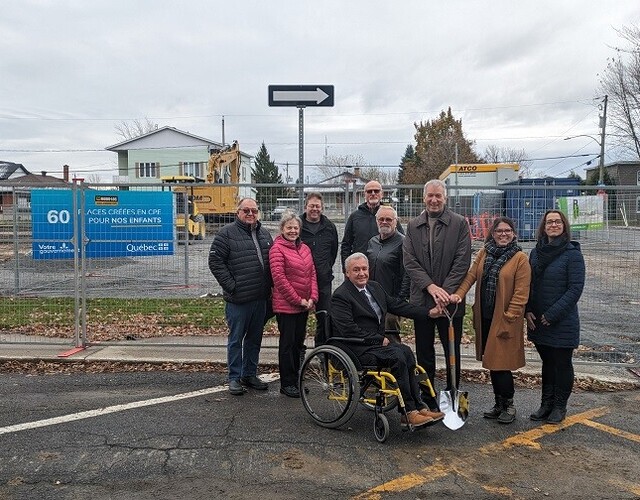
x,y
320,234
385,261
239,260
358,309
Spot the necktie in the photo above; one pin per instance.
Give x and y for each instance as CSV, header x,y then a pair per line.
x,y
372,302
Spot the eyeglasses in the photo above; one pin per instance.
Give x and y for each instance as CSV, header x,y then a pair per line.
x,y
503,231
372,191
385,219
553,222
248,211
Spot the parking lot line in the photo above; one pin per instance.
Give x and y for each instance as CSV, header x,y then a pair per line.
x,y
406,482
612,430
117,408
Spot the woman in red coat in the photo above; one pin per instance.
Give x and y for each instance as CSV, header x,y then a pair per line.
x,y
295,291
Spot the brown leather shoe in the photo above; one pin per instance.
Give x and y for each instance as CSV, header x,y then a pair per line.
x,y
415,418
433,415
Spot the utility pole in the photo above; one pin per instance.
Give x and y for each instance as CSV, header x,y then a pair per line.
x,y
603,126
223,132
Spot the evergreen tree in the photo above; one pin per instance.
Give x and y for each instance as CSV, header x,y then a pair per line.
x,y
407,161
265,171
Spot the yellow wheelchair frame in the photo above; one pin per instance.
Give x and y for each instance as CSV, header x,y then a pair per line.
x,y
331,386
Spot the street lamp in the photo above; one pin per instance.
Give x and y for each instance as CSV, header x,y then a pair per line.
x,y
599,143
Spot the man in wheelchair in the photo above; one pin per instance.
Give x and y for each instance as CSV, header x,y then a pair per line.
x,y
358,309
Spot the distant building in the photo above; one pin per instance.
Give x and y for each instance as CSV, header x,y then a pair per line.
x,y
168,151
341,193
623,204
16,183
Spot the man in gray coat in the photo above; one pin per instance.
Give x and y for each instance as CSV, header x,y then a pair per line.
x,y
437,256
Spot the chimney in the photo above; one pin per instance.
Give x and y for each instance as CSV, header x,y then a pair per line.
x,y
44,173
65,173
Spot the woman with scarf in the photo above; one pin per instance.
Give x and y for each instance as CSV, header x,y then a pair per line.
x,y
553,323
503,273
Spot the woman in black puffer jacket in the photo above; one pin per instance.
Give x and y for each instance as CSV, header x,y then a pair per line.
x,y
553,324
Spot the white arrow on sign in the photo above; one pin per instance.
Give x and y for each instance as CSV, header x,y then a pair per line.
x,y
318,95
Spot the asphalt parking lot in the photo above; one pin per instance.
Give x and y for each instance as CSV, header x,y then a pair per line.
x,y
172,435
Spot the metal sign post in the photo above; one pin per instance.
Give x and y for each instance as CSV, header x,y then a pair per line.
x,y
301,96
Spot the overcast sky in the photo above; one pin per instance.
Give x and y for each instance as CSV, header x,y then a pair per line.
x,y
521,74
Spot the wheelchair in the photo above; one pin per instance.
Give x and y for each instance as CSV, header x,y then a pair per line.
x,y
333,383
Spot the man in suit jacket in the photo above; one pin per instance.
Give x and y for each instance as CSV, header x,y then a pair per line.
x,y
358,309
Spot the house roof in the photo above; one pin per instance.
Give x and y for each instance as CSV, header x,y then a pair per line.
x,y
33,180
163,135
10,170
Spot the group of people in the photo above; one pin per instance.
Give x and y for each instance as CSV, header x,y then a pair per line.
x,y
423,274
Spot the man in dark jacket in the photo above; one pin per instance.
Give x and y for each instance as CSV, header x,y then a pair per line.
x,y
239,260
358,309
437,256
320,234
361,225
385,261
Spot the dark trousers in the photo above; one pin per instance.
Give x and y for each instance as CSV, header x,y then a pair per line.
x,y
323,304
292,329
425,350
400,361
501,380
557,370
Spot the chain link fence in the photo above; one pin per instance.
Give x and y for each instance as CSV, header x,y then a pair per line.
x,y
100,295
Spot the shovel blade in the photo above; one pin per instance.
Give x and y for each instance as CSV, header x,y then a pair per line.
x,y
455,406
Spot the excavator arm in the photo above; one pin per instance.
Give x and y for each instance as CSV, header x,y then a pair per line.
x,y
224,167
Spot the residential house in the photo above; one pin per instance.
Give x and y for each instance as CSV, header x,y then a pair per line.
x,y
16,183
341,193
168,151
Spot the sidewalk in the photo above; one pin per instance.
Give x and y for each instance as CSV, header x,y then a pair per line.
x,y
213,350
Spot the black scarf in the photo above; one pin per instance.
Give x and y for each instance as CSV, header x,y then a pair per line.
x,y
547,251
495,258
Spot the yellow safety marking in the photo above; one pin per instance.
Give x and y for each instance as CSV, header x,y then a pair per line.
x,y
530,438
406,482
630,487
495,490
612,430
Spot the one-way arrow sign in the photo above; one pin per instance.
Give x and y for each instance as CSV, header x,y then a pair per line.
x,y
300,95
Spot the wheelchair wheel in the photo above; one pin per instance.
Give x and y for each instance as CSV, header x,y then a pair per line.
x,y
370,393
381,427
329,386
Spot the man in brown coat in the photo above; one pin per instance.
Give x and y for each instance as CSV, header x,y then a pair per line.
x,y
437,256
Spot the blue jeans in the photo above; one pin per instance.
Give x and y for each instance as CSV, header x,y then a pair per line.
x,y
246,322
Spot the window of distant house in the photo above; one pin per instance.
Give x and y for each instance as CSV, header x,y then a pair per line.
x,y
192,168
638,204
638,177
147,169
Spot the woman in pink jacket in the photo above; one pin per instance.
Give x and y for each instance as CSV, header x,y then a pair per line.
x,y
295,291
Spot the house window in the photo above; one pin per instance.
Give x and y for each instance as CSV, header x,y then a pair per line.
x,y
638,204
148,170
638,177
192,168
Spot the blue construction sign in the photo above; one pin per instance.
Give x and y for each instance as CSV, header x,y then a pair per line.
x,y
116,223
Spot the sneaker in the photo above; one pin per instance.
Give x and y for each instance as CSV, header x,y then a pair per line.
x,y
254,382
291,391
235,388
435,416
415,418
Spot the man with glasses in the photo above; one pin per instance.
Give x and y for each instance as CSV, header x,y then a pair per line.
x,y
437,256
320,234
385,263
361,225
239,260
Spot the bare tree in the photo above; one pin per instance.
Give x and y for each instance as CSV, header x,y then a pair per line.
x,y
499,154
335,165
387,176
94,178
621,82
135,128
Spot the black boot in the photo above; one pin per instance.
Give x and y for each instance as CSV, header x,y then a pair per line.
x,y
559,410
497,409
546,405
508,414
